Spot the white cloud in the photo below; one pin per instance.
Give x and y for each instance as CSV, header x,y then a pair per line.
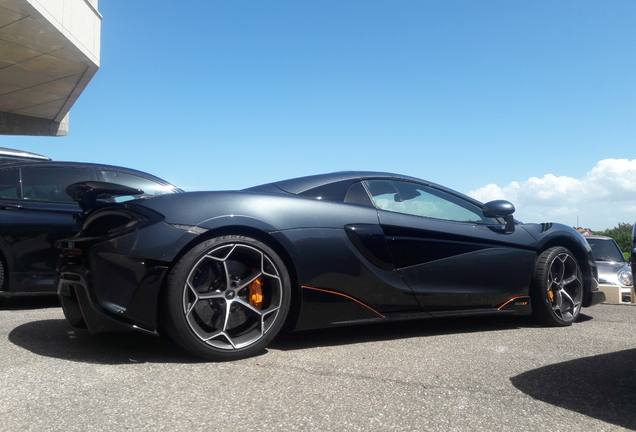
x,y
606,196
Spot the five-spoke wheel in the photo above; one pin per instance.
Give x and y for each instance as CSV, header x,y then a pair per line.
x,y
557,287
227,298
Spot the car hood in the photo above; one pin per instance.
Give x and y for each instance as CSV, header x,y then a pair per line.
x,y
609,267
608,272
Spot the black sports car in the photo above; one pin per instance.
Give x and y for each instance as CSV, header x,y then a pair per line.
x,y
222,272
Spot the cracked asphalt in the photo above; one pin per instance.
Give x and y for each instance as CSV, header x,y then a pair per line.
x,y
477,374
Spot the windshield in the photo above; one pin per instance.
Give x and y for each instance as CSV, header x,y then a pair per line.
x,y
605,250
420,200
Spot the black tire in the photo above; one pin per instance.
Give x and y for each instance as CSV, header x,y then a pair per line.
x,y
72,311
557,288
226,299
2,274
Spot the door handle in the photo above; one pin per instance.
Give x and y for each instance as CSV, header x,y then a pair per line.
x,y
11,207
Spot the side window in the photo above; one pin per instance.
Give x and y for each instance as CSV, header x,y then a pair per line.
x,y
348,191
49,184
357,194
420,200
148,186
331,192
9,184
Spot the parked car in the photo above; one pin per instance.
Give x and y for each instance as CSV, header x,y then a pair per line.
x,y
613,269
36,211
221,272
12,155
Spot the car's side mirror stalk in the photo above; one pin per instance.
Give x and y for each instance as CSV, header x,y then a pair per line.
x,y
510,224
501,209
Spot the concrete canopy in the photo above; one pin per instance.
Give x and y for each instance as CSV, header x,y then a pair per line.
x,y
49,51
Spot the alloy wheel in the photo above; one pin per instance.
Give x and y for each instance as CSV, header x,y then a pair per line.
x,y
232,296
565,286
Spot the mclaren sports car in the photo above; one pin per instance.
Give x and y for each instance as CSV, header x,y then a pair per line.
x,y
221,273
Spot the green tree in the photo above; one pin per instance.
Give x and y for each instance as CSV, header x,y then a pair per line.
x,y
622,234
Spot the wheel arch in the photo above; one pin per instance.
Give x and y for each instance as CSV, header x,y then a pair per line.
x,y
270,241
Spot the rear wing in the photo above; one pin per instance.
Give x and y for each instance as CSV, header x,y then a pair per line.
x,y
87,193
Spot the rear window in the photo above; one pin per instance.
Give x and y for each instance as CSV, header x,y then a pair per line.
x,y
9,184
49,184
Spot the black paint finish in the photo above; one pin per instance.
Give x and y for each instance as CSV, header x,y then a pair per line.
x,y
36,211
348,260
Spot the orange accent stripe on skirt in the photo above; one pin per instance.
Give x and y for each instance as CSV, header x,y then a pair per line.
x,y
344,295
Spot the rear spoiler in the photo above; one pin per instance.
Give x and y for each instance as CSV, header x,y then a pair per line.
x,y
88,192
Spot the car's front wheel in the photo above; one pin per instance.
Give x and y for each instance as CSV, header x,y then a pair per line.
x,y
557,288
227,298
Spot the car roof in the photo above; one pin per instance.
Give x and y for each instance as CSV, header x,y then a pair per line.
x,y
8,155
61,164
597,237
301,184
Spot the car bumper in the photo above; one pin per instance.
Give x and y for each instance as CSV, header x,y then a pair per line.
x,y
115,282
79,300
598,296
616,293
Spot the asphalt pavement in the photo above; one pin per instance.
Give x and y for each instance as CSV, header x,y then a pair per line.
x,y
477,374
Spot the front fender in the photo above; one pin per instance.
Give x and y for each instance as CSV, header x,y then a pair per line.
x,y
553,234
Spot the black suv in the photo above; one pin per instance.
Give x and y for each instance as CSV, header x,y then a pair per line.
x,y
36,211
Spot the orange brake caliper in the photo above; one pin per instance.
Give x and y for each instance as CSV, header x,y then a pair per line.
x,y
256,294
550,292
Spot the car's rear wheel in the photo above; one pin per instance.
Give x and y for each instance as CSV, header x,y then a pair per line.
x,y
227,298
72,311
2,274
557,288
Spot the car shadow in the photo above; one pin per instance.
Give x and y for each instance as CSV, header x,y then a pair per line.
x,y
56,338
25,301
602,386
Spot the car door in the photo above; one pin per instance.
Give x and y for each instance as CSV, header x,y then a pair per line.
x,y
35,212
447,251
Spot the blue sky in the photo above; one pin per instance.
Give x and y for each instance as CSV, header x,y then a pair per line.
x,y
481,96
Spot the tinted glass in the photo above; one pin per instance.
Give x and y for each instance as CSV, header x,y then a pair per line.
x,y
49,184
9,184
420,200
357,194
148,186
605,250
331,192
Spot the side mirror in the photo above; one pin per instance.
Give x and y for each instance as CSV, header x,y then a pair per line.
x,y
501,209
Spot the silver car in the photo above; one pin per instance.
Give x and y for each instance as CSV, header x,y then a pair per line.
x,y
612,267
